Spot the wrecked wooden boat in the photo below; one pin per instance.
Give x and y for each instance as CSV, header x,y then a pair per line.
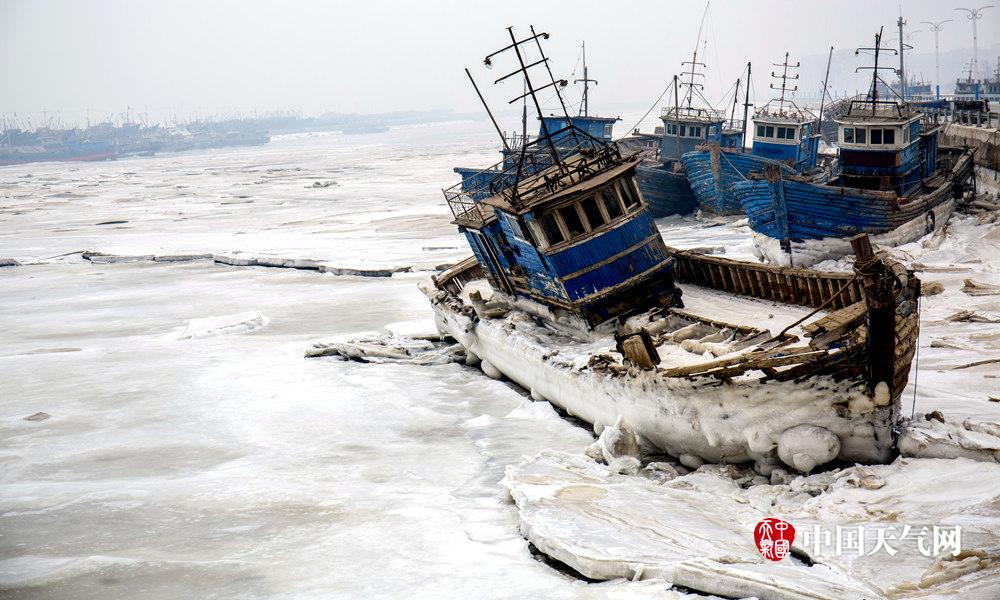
x,y
895,184
572,294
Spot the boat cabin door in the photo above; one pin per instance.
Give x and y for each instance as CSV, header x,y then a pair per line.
x,y
494,267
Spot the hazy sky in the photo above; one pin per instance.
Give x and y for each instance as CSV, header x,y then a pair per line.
x,y
179,56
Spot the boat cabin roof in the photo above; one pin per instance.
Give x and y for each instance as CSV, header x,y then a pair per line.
x,y
533,191
783,113
866,110
691,114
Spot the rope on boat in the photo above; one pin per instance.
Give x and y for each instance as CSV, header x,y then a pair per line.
x,y
916,366
723,155
655,104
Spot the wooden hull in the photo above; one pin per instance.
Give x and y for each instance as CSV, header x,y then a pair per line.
x,y
723,410
811,216
713,172
666,192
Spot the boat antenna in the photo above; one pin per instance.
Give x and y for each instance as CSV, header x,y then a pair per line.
x,y
902,53
584,106
488,111
874,69
532,91
784,77
677,119
746,109
693,63
736,99
561,83
826,82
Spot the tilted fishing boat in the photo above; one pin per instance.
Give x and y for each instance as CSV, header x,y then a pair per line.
x,y
572,294
895,184
785,134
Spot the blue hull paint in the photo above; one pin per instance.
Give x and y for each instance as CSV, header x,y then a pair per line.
x,y
666,192
802,210
713,187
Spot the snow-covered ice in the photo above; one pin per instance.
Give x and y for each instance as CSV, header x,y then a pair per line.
x,y
191,450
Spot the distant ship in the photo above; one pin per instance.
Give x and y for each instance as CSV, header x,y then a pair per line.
x,y
19,147
987,89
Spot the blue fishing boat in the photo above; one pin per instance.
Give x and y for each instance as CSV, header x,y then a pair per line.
x,y
686,127
784,134
571,294
662,181
895,184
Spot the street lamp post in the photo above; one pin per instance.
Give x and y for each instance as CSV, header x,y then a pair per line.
x,y
974,14
936,28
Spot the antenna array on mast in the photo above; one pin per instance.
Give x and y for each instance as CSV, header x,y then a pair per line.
x,y
584,104
784,77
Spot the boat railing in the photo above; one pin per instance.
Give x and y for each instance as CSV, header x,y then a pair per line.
x,y
864,105
516,180
691,113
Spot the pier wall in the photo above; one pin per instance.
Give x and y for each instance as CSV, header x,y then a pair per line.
x,y
985,141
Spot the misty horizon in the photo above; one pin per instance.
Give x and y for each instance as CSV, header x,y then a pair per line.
x,y
184,61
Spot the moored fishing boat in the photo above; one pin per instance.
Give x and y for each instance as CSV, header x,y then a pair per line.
x,y
784,134
895,184
686,127
572,294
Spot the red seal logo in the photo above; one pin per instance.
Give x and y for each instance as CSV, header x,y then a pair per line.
x,y
774,538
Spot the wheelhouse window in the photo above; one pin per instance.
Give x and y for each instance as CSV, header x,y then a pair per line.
x,y
877,136
553,235
760,131
574,225
848,137
607,130
769,131
888,136
672,128
629,195
786,133
611,204
515,226
694,132
860,135
565,223
595,218
683,130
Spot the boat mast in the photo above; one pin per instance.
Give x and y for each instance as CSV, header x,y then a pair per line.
x,y
736,100
532,90
902,71
677,119
555,84
694,62
584,105
826,82
784,81
488,111
875,69
746,110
